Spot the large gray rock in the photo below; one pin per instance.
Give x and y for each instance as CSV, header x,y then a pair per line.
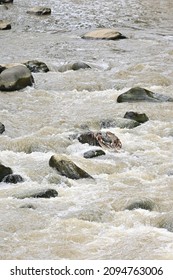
x,y
66,167
36,66
2,128
15,78
5,25
40,11
4,171
73,66
137,94
104,34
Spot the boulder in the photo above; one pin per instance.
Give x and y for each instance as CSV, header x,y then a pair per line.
x,y
146,205
13,179
2,128
106,140
41,194
137,94
93,153
36,66
104,34
15,78
5,25
140,118
4,171
119,122
73,66
66,167
40,11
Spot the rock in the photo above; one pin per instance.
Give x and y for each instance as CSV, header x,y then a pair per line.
x,y
6,1
40,11
2,128
146,205
5,25
167,223
66,167
28,206
93,153
42,194
36,66
13,179
4,171
137,94
104,34
140,118
73,66
2,68
106,140
119,122
15,78
88,137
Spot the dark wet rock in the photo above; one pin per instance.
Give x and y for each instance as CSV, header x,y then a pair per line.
x,y
119,122
15,78
4,171
66,167
13,179
41,194
5,25
140,118
93,153
89,138
36,66
6,1
2,68
146,205
137,94
106,140
2,128
104,34
40,11
73,66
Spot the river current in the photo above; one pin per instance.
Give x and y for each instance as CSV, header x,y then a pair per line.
x,y
88,219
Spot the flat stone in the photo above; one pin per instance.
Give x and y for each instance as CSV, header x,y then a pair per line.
x,y
104,34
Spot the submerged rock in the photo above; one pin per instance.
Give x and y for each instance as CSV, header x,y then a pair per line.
x,y
137,94
66,167
146,205
73,66
15,78
2,128
140,118
5,25
104,34
40,11
89,138
119,122
93,153
41,194
13,179
36,66
4,171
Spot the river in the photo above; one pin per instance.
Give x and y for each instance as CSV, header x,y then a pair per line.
x,y
89,218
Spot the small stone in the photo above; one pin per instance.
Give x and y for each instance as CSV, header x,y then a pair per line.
x,y
2,128
40,11
36,66
93,153
4,171
5,25
73,66
13,179
141,118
